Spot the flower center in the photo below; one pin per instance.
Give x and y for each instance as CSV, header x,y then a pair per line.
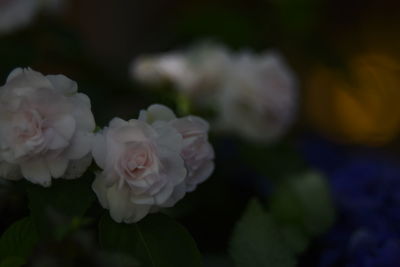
x,y
28,126
137,161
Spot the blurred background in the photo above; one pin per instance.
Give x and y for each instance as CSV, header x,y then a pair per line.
x,y
344,54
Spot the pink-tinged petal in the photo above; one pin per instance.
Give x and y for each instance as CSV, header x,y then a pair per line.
x,y
63,84
36,171
134,130
65,126
190,125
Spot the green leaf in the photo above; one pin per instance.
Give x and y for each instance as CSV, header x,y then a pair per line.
x,y
257,241
156,241
17,243
304,201
64,203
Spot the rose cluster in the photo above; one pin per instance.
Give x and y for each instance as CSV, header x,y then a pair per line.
x,y
150,162
253,95
47,131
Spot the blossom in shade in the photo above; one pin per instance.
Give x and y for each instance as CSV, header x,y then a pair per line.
x,y
46,127
150,163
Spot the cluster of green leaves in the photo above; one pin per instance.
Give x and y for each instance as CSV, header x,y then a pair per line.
x,y
299,210
60,211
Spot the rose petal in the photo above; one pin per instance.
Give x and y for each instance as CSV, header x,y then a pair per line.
x,y
100,188
63,84
82,113
81,144
76,168
156,112
57,166
199,176
57,141
36,171
119,203
65,126
14,73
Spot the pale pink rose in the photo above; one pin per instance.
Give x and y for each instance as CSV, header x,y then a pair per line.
x,y
44,126
196,152
141,166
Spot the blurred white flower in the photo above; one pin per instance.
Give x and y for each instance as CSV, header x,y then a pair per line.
x,y
141,166
259,97
196,73
170,67
45,127
253,95
17,14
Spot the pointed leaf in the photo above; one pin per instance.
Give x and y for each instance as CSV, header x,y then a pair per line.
x,y
156,241
17,243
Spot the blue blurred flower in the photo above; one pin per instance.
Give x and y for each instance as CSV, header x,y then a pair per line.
x,y
366,189
367,192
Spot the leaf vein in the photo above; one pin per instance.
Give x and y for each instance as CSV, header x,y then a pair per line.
x,y
145,244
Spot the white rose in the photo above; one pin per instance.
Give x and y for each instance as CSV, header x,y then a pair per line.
x,y
259,97
15,14
44,126
196,152
141,166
